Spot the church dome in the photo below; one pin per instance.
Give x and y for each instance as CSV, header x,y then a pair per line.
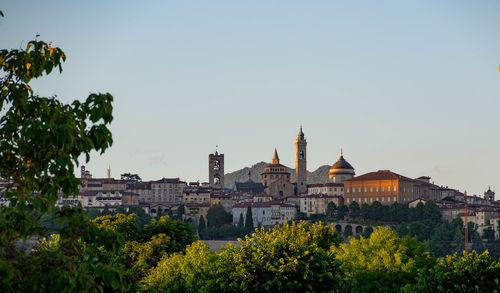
x,y
342,164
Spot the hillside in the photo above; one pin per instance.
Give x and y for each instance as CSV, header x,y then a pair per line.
x,y
320,175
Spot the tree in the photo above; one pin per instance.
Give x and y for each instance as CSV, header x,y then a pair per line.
x,y
431,211
249,220
130,177
489,234
241,224
354,210
41,140
347,232
342,212
472,272
381,263
288,258
217,216
201,226
180,212
331,210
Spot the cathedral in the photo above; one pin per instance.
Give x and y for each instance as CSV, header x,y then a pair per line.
x,y
276,178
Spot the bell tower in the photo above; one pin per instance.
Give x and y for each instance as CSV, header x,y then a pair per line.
x,y
301,162
216,170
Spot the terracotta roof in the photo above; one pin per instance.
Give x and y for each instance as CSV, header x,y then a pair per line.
x,y
382,175
326,185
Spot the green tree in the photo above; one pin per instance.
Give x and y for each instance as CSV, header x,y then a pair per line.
x,y
472,272
249,220
382,263
180,212
201,227
331,210
288,258
342,212
41,140
431,211
441,241
217,216
347,232
130,177
354,210
489,234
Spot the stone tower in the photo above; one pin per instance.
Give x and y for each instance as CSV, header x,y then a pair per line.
x,y
301,162
489,195
216,170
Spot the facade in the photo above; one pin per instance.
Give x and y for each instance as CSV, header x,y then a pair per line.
x,y
110,199
167,190
317,203
225,200
216,170
301,162
282,213
326,188
261,213
143,189
276,178
426,189
193,211
196,194
383,186
341,170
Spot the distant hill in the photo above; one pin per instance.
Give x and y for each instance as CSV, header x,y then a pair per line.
x,y
318,176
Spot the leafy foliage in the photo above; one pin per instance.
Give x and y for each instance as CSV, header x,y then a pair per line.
x,y
472,272
292,257
381,263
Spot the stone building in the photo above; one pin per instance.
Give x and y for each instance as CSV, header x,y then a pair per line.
x,y
317,203
249,186
341,170
216,170
276,178
301,162
383,186
326,188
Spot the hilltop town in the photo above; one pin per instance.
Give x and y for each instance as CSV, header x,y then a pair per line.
x,y
275,199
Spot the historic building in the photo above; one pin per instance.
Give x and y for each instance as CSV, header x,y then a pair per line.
x,y
383,186
489,195
317,203
341,170
301,162
326,188
249,186
276,178
216,170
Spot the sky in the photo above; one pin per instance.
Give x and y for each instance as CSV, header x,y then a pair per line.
x,y
409,86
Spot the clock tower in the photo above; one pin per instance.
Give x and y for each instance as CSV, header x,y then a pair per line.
x,y
301,162
216,170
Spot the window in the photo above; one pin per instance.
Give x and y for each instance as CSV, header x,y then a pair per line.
x,y
371,189
347,190
347,200
359,189
376,189
394,188
365,199
376,198
394,198
365,189
383,189
382,199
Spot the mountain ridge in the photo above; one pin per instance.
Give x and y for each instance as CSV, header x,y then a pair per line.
x,y
320,175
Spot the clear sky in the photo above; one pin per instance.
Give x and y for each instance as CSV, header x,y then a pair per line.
x,y
410,86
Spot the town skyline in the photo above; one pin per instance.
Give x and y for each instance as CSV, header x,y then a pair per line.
x,y
408,88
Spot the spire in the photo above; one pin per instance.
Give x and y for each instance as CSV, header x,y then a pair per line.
x,y
276,159
301,134
341,152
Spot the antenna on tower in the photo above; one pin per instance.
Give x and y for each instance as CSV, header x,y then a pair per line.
x,y
109,171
